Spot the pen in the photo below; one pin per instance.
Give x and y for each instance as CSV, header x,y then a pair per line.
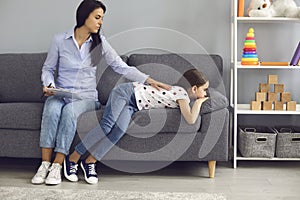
x,y
44,92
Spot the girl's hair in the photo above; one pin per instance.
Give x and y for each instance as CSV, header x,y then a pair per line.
x,y
191,78
83,11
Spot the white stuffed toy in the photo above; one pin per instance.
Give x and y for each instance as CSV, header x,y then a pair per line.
x,y
278,8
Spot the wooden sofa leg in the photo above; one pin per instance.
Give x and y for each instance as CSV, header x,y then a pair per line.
x,y
211,168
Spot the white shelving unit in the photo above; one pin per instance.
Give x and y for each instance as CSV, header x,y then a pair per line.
x,y
244,109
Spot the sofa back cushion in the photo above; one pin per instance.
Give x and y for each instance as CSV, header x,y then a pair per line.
x,y
107,79
21,77
169,68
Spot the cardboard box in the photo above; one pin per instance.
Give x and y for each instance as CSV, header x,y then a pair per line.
x,y
261,96
279,88
285,96
264,87
272,79
272,96
278,105
255,105
267,105
291,106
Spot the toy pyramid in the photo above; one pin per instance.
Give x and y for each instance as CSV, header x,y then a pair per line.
x,y
250,56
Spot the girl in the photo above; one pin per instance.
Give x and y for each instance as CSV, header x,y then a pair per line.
x,y
75,55
124,100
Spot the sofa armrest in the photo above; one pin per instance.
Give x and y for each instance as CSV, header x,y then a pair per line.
x,y
215,102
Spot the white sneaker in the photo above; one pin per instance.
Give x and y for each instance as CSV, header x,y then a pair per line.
x,y
41,173
54,176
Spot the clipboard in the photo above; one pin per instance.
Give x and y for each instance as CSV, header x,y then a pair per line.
x,y
64,93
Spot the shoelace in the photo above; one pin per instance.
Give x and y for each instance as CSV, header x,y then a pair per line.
x,y
41,171
73,168
55,170
92,170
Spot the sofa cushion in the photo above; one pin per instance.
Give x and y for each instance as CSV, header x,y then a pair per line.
x,y
20,143
21,77
107,79
144,122
169,67
21,115
161,120
215,102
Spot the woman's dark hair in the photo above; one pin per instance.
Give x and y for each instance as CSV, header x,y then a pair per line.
x,y
192,77
83,11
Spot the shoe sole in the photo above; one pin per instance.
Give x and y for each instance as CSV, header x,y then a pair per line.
x,y
52,182
38,183
85,178
66,174
56,183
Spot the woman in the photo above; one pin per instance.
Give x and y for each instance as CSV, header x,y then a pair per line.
x,y
75,55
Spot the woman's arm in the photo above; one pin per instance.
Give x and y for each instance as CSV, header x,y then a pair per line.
x,y
50,63
190,114
118,65
157,85
130,72
49,67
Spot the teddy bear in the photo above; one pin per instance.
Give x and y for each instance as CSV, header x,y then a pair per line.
x,y
278,8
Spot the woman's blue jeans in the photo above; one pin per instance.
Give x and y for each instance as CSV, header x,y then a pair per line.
x,y
59,122
118,111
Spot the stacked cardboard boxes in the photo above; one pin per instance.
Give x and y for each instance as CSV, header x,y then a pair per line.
x,y
272,96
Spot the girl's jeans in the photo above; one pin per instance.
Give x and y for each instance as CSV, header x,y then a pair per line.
x,y
59,122
120,107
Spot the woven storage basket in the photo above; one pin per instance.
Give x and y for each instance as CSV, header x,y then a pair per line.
x,y
288,142
257,142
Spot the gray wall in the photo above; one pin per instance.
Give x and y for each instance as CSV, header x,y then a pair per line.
x,y
28,26
195,26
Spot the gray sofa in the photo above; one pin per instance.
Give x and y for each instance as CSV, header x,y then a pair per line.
x,y
158,136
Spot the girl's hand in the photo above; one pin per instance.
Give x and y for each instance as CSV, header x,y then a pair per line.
x,y
157,85
202,99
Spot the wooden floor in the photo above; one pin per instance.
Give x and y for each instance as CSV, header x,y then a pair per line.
x,y
251,180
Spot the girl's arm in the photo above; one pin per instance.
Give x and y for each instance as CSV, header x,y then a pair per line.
x,y
190,114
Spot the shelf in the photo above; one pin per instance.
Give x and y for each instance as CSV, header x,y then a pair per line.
x,y
239,66
267,20
267,159
245,109
238,72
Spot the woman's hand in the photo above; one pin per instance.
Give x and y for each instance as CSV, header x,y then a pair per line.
x,y
46,92
157,85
